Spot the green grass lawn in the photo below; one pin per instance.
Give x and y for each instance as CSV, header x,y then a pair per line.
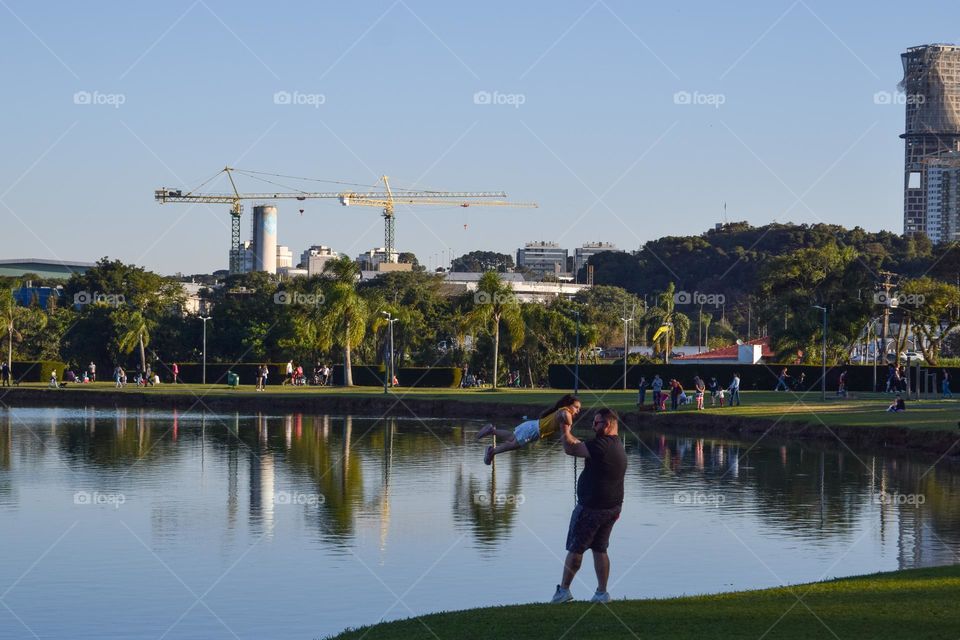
x,y
912,604
859,410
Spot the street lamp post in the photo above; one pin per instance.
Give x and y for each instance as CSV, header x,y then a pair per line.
x,y
626,349
823,375
391,320
576,366
205,318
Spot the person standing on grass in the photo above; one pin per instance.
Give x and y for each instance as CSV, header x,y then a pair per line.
x,y
92,370
945,385
642,392
676,390
735,390
714,387
599,501
657,386
5,374
699,387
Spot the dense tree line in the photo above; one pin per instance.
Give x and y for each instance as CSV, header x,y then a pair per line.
x,y
737,282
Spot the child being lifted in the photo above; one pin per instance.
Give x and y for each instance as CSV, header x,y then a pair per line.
x,y
558,418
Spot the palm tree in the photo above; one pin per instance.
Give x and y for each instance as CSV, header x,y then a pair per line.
x,y
346,313
8,312
135,332
493,302
669,325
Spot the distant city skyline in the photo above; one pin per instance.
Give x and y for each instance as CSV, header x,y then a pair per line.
x,y
785,111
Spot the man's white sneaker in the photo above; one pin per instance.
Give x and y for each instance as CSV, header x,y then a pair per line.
x,y
601,597
562,595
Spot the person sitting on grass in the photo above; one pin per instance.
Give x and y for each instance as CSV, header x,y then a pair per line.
x,y
557,418
898,405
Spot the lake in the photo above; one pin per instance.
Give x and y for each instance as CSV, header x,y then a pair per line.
x,y
157,524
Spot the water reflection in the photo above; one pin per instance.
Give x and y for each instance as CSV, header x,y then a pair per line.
x,y
343,476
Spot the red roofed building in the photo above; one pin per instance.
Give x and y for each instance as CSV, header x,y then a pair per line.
x,y
752,352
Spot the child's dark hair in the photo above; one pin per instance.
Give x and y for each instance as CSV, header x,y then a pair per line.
x,y
564,401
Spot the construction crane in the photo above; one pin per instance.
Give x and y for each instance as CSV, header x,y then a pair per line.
x,y
385,200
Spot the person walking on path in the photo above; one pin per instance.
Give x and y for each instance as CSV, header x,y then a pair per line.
x,y
657,386
842,384
891,372
945,385
642,392
5,374
175,369
782,381
599,501
735,390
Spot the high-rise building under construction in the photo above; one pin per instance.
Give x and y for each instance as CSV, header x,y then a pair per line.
x,y
931,86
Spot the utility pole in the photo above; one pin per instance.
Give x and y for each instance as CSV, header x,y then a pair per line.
x,y
576,366
886,285
823,376
626,349
205,347
700,329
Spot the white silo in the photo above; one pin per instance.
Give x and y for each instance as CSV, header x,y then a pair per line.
x,y
265,238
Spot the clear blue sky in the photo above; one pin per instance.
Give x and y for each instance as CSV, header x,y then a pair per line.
x,y
599,140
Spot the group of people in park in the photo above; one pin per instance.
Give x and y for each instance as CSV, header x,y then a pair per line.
x,y
679,397
599,486
295,376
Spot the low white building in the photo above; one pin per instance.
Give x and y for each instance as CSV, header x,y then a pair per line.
x,y
314,258
526,291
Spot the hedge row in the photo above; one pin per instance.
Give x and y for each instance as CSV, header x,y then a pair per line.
x,y
757,377
37,371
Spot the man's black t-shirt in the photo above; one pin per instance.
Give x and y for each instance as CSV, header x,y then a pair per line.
x,y
601,483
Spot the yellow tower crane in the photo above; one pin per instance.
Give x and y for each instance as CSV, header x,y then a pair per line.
x,y
385,200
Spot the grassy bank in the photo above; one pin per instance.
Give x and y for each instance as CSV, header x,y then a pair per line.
x,y
863,410
906,604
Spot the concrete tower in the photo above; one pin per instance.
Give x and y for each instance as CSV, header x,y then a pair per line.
x,y
931,84
265,238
